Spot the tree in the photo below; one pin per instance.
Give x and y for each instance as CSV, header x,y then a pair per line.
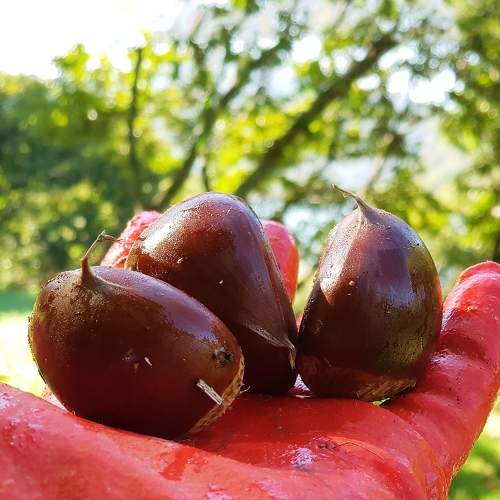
x,y
471,122
272,101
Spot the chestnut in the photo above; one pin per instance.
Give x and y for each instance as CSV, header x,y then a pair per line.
x,y
373,317
127,350
213,247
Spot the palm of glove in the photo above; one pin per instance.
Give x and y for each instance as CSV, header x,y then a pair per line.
x,y
296,446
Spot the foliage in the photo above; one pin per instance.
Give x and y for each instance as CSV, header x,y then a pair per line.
x,y
271,101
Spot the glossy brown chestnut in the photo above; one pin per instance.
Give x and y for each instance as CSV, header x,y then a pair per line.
x,y
213,247
373,317
130,351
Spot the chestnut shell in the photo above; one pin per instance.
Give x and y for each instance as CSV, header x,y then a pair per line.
x,y
127,350
213,247
374,314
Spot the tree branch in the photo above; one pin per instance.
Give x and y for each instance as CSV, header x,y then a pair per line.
x,y
337,89
209,117
244,72
164,200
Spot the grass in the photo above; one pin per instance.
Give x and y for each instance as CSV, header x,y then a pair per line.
x,y
16,364
478,479
16,302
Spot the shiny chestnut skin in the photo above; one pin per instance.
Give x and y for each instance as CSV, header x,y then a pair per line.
x,y
213,247
374,315
127,350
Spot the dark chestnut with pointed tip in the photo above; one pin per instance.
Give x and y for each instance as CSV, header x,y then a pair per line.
x,y
130,351
374,314
213,247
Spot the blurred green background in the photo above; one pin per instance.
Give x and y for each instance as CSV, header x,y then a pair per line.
x,y
272,101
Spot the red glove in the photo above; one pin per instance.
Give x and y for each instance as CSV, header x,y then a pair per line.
x,y
286,252
280,447
117,254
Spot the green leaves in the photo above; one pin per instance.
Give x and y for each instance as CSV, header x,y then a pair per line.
x,y
273,101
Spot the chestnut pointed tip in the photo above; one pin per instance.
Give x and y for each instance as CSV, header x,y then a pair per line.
x,y
345,193
84,261
348,194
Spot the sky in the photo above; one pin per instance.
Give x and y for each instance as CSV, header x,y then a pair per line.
x,y
33,32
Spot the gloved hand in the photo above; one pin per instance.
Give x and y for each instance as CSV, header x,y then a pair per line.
x,y
290,447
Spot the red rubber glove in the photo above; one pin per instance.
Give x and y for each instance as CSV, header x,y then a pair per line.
x,y
286,252
288,447
117,254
